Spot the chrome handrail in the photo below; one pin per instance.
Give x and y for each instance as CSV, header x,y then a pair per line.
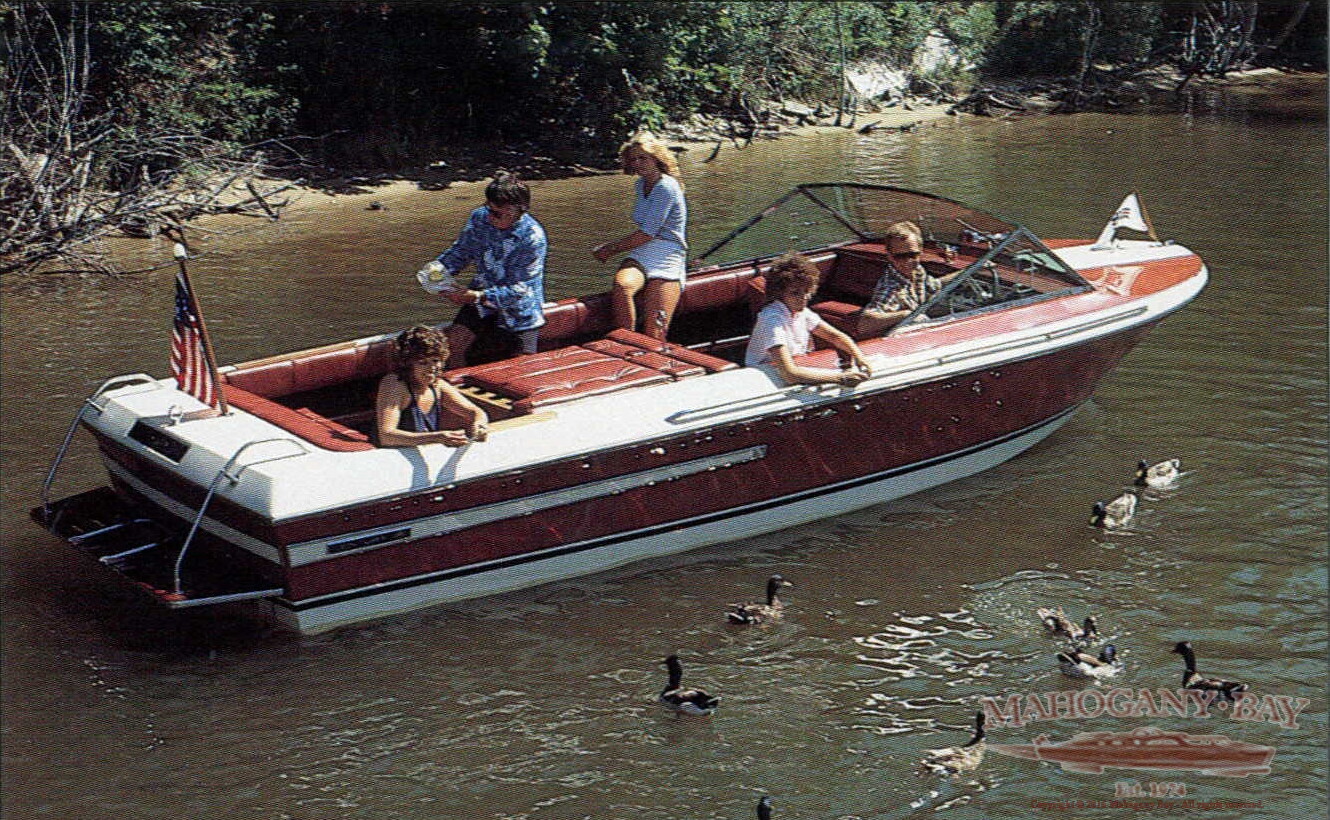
x,y
133,378
127,380
225,472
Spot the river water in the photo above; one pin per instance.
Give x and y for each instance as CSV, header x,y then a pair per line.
x,y
539,704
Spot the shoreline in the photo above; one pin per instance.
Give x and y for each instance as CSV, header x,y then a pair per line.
x,y
464,170
383,191
311,201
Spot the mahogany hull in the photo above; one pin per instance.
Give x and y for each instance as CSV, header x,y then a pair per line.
x,y
734,478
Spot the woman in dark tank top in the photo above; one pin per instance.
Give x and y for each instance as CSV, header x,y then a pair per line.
x,y
415,405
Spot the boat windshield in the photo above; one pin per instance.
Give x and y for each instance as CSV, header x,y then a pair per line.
x,y
815,216
1011,266
1019,270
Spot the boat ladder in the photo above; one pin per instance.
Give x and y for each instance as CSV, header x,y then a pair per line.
x,y
234,478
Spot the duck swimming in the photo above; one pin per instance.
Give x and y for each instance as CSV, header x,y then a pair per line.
x,y
1080,664
681,700
1060,626
958,759
752,613
1115,513
1191,679
1162,474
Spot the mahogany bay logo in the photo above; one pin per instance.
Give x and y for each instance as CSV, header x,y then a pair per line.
x,y
1144,747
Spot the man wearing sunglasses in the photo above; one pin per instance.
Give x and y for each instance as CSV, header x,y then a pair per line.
x,y
903,286
503,303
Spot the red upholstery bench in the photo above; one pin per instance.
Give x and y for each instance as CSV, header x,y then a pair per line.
x,y
275,378
568,320
674,368
717,290
590,379
496,373
712,364
308,425
841,315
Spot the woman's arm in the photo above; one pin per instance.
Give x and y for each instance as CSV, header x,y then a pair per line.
x,y
477,423
392,397
636,239
798,374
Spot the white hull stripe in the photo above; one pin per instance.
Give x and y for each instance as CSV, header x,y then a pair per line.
x,y
674,528
188,514
433,526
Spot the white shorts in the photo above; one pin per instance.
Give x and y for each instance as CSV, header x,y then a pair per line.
x,y
661,259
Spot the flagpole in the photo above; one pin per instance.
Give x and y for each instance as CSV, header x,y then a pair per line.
x,y
1145,215
181,253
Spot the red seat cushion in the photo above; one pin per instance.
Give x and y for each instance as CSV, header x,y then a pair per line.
x,y
304,423
273,379
712,364
672,367
841,315
497,375
713,291
588,380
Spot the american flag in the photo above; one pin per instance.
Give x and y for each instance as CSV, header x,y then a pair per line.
x,y
189,361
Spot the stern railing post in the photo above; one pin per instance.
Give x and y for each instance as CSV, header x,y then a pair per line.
x,y
136,378
225,472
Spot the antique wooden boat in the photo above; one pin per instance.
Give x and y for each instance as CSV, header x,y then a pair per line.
x,y
606,447
1147,747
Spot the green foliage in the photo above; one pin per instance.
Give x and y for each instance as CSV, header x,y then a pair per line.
x,y
1051,37
386,82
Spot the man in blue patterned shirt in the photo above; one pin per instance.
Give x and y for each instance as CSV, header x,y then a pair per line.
x,y
507,246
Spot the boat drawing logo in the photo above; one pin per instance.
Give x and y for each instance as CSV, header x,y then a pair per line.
x,y
1147,747
1118,279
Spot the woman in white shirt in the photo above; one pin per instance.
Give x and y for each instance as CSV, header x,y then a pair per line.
x,y
786,327
657,251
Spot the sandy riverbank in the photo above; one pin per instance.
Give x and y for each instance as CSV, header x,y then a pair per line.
x,y
384,192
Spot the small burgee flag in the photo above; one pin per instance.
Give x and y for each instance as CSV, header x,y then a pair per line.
x,y
1130,214
189,359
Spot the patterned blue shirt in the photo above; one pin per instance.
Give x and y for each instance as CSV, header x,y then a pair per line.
x,y
510,268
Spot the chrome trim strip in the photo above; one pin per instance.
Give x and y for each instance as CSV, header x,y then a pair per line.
x,y
311,552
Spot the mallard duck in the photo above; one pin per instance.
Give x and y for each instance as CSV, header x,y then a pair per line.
x,y
958,759
1060,626
1191,679
1080,664
764,808
1115,513
753,613
685,701
1159,475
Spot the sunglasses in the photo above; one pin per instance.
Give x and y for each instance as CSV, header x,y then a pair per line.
x,y
907,255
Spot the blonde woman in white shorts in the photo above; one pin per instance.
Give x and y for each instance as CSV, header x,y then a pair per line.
x,y
656,260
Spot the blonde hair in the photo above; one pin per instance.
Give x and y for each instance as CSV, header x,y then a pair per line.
x,y
902,230
650,144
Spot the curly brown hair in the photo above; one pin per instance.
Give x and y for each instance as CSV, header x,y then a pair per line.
x,y
790,272
419,343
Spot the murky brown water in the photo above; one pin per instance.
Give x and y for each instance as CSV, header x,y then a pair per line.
x,y
539,704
